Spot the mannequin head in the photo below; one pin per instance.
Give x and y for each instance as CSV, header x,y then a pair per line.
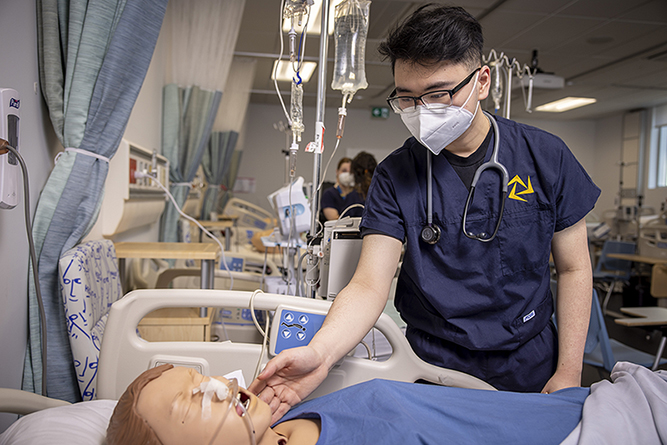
x,y
159,407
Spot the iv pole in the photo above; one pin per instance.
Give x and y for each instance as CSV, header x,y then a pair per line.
x,y
319,117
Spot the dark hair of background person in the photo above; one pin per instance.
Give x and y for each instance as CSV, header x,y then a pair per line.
x,y
363,166
342,161
126,425
434,34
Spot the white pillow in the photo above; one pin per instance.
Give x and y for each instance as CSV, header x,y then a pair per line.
x,y
83,423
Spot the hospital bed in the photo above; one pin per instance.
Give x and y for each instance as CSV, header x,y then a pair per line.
x,y
124,355
637,400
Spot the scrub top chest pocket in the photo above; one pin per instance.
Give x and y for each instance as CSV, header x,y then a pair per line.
x,y
525,238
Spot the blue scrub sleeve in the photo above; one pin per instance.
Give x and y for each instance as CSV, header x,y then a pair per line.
x,y
382,213
575,191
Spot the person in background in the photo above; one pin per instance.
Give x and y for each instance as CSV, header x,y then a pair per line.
x,y
343,194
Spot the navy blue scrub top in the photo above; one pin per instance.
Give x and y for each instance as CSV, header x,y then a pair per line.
x,y
332,198
482,296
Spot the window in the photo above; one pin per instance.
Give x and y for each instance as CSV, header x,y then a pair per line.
x,y
661,177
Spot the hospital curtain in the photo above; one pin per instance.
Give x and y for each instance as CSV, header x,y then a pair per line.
x,y
216,162
85,49
187,119
203,35
230,179
226,128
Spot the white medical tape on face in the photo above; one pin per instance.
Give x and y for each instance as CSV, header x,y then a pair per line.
x,y
213,386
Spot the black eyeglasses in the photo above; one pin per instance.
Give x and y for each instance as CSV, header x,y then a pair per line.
x,y
433,99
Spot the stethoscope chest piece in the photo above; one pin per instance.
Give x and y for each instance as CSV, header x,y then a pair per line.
x,y
430,233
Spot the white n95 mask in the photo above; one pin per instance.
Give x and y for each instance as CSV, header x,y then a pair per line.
x,y
436,128
346,179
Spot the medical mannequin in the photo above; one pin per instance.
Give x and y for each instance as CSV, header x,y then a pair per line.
x,y
159,407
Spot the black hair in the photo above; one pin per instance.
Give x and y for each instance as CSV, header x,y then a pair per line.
x,y
434,34
363,166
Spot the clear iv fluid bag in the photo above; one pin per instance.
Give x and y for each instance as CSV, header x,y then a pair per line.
x,y
296,110
496,85
350,30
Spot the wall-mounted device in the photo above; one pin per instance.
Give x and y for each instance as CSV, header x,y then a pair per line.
x,y
129,201
10,103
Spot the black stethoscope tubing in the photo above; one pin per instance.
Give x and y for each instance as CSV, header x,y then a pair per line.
x,y
431,232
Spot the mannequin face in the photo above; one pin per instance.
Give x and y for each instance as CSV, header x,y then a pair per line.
x,y
176,416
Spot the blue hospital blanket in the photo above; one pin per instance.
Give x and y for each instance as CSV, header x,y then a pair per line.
x,y
389,412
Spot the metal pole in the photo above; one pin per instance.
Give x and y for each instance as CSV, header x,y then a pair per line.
x,y
319,117
508,94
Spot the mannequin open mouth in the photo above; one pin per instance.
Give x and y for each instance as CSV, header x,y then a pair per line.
x,y
244,399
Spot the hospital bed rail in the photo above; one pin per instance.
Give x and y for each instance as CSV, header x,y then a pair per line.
x,y
20,402
124,355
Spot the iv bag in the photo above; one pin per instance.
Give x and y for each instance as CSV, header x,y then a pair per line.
x,y
496,85
350,30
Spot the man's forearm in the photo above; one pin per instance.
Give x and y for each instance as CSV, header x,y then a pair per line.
x,y
573,306
357,307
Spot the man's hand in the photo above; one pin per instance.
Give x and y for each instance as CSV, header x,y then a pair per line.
x,y
561,380
289,378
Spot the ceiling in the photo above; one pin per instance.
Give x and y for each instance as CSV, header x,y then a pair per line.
x,y
612,50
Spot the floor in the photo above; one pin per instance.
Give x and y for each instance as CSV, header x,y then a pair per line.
x,y
642,339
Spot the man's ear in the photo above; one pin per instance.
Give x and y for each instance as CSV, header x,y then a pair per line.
x,y
484,82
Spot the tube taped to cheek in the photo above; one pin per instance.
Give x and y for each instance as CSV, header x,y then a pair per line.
x,y
213,386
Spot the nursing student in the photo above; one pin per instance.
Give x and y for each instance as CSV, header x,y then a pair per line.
x,y
477,301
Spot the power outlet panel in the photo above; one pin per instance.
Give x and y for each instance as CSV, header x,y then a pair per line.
x,y
10,103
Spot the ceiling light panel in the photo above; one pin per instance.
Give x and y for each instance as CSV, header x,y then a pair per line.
x,y
565,104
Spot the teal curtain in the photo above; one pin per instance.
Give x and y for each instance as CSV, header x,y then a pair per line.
x,y
187,118
85,49
230,178
216,163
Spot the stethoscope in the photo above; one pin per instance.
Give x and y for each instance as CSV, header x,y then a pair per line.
x,y
431,232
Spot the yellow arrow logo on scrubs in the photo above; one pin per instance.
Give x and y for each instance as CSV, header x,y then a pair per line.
x,y
526,191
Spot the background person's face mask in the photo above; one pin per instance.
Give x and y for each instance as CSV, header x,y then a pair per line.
x,y
346,179
436,128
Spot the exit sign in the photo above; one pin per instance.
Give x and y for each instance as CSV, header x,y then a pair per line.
x,y
381,112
